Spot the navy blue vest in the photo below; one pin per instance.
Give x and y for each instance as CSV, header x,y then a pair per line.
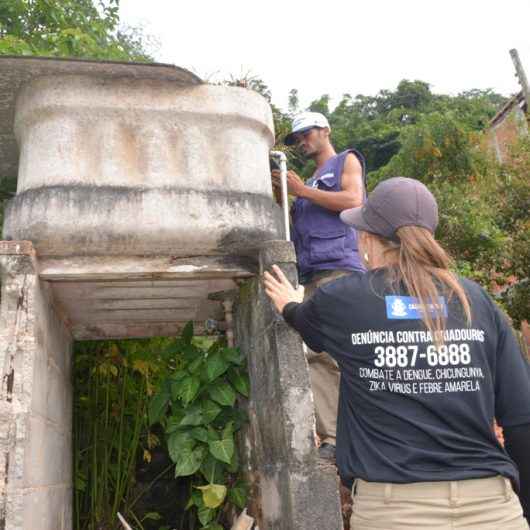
x,y
322,241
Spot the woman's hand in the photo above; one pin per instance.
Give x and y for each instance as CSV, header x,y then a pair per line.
x,y
280,290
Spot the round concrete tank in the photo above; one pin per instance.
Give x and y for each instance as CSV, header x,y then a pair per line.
x,y
141,167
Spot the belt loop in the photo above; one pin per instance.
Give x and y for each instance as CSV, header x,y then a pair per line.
x,y
507,489
453,494
388,492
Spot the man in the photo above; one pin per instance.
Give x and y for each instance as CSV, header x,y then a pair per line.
x,y
325,247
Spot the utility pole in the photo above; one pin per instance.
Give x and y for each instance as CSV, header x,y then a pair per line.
x,y
523,81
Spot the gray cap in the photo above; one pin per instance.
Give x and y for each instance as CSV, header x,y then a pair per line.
x,y
396,202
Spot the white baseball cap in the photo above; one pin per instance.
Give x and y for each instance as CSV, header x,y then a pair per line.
x,y
303,122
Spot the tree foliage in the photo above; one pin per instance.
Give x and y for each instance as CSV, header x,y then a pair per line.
x,y
68,28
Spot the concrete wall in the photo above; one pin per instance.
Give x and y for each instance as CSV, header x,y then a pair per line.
x,y
292,489
35,400
111,167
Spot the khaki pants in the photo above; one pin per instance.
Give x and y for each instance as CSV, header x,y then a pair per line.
x,y
324,373
478,504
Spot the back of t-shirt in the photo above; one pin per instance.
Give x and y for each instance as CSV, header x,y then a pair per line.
x,y
410,411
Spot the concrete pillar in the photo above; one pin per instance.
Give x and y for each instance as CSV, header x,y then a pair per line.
x,y
291,490
35,399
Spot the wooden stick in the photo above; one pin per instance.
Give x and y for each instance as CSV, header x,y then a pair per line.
x,y
124,522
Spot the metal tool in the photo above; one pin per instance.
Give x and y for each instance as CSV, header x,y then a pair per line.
x,y
282,160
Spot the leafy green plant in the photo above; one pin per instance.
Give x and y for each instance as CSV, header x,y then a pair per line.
x,y
113,384
196,404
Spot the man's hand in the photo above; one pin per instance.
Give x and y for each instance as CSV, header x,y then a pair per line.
x,y
280,290
295,185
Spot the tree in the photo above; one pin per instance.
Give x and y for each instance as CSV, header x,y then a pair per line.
x,y
69,28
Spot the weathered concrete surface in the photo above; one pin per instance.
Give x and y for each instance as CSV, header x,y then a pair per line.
x,y
291,490
126,297
17,70
35,399
110,167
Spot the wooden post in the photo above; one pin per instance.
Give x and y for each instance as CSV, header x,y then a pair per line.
x,y
520,73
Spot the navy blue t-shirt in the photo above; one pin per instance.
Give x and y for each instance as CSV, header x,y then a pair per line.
x,y
410,411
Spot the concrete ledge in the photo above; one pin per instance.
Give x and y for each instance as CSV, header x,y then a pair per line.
x,y
124,269
96,221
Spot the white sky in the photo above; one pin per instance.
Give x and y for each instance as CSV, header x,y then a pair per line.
x,y
335,47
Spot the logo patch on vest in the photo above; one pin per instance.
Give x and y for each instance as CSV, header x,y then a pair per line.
x,y
408,307
324,178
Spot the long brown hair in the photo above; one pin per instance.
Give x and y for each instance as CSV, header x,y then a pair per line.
x,y
423,267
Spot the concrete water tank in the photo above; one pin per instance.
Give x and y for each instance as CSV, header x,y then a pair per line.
x,y
114,166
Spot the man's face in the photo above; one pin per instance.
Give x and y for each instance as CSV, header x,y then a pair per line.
x,y
311,142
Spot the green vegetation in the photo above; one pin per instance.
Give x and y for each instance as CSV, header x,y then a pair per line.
x,y
175,400
69,28
140,399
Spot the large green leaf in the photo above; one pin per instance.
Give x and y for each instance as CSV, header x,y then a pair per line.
x,y
215,366
238,494
213,526
213,434
196,365
178,443
240,381
187,333
173,422
234,464
200,433
186,389
195,500
157,406
222,393
210,410
212,470
189,462
238,416
223,450
172,349
206,515
216,346
193,417
213,495
191,353
178,375
232,356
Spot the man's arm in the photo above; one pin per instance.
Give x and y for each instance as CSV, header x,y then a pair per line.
x,y
350,196
517,444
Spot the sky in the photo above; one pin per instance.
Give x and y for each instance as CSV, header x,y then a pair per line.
x,y
336,47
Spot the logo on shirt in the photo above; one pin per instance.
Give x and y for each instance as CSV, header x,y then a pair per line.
x,y
326,176
398,308
409,307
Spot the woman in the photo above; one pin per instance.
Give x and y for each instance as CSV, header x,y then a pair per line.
x,y
427,363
